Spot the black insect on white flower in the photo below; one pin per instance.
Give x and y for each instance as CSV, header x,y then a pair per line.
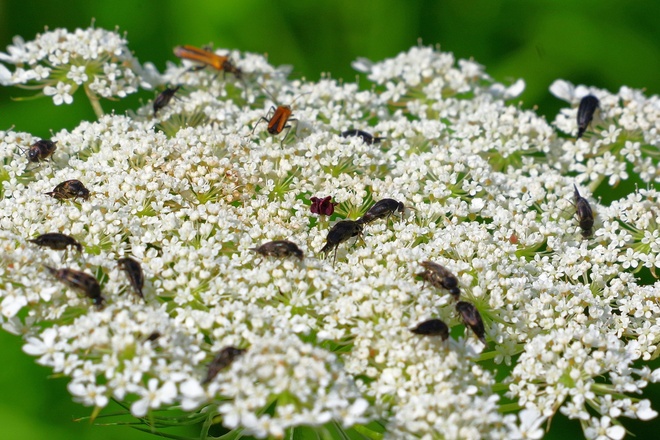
x,y
367,138
585,114
471,317
80,281
222,360
440,277
382,209
56,241
41,150
584,213
432,327
70,189
279,249
339,233
164,98
134,273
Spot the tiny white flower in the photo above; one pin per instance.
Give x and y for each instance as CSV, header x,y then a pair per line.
x,y
60,93
153,397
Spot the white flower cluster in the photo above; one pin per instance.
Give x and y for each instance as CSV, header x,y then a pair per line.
x,y
59,62
488,193
629,138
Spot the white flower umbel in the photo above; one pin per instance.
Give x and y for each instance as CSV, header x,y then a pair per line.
x,y
59,62
275,347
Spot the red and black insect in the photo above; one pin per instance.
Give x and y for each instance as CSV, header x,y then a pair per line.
x,y
222,360
81,282
134,273
339,233
70,189
432,327
207,58
471,317
382,209
585,114
279,249
440,277
584,213
56,241
41,150
164,98
367,138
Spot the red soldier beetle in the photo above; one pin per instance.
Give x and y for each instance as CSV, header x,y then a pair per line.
x,y
279,119
207,58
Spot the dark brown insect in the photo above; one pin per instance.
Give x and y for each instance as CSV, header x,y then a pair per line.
x,y
585,114
367,138
164,98
440,277
222,360
56,241
584,213
382,209
432,327
41,150
207,58
70,189
153,336
339,233
471,317
134,273
280,249
81,282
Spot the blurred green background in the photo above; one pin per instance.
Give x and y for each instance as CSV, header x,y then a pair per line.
x,y
603,43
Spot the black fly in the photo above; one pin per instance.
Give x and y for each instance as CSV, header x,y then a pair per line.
x,y
585,114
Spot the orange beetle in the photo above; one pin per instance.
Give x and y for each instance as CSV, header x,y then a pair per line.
x,y
207,58
279,119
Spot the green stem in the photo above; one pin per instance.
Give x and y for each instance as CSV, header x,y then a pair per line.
x,y
509,407
94,100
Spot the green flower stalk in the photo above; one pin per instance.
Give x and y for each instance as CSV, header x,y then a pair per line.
x,y
275,345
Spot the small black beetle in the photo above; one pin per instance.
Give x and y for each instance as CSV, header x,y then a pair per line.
x,y
279,249
81,282
471,317
367,138
585,114
339,233
222,360
382,209
134,273
70,189
432,327
440,277
584,213
56,241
